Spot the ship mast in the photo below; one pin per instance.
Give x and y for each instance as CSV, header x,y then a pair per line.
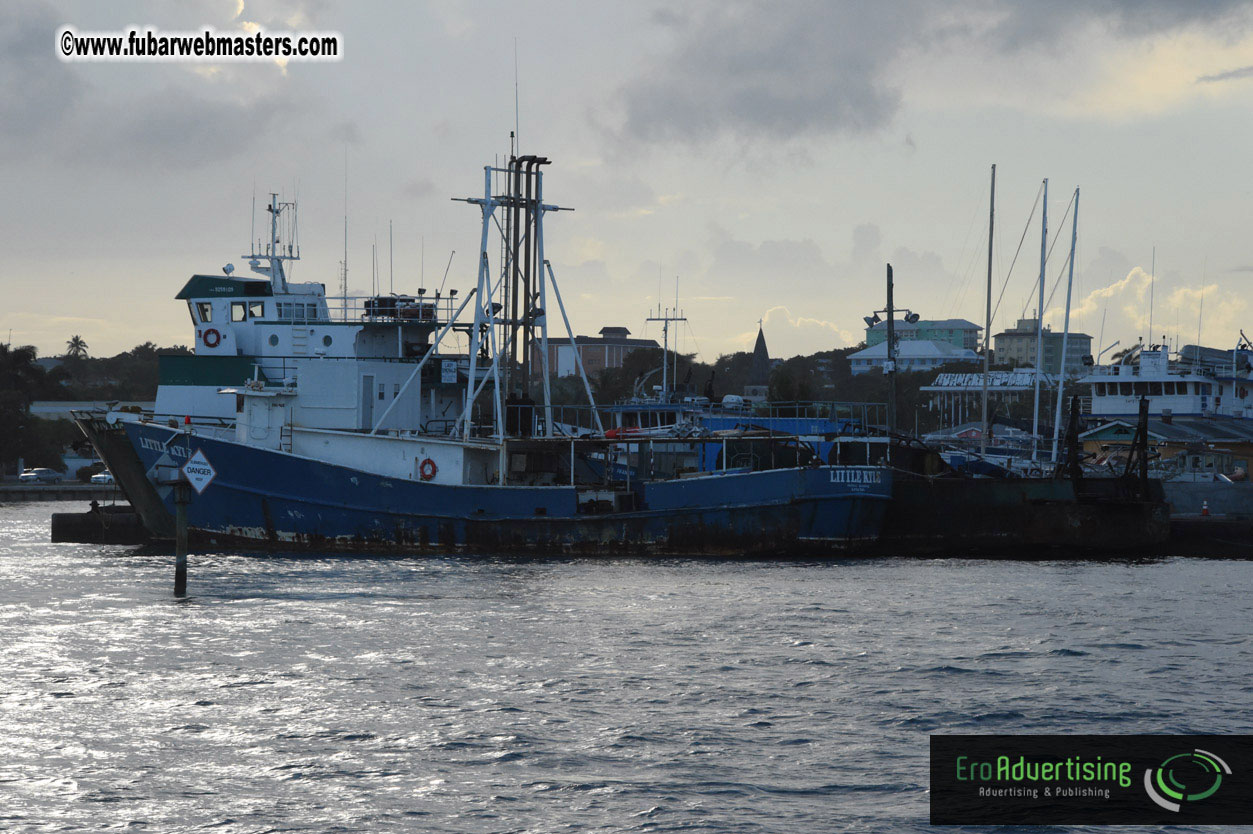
x,y
275,252
987,317
1039,323
511,330
665,317
1070,282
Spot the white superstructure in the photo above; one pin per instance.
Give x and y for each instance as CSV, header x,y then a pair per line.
x,y
1198,382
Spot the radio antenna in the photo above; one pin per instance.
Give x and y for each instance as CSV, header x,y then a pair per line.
x,y
517,129
441,283
343,265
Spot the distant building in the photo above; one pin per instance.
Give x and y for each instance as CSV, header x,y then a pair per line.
x,y
959,397
911,356
964,434
609,350
1017,346
957,332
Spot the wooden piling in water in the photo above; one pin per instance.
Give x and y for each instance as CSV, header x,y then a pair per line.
x,y
181,499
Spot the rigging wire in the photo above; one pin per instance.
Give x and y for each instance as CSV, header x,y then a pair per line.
x,y
1025,229
696,342
965,273
969,272
1048,255
1057,282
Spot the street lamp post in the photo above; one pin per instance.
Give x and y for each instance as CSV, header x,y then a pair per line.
x,y
889,366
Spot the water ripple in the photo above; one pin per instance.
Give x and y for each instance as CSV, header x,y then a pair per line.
x,y
321,694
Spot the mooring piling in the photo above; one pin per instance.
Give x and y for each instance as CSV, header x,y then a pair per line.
x,y
182,497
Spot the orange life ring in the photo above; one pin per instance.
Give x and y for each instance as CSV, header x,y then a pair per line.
x,y
211,338
427,469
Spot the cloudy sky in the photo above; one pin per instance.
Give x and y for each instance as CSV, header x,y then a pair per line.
x,y
771,157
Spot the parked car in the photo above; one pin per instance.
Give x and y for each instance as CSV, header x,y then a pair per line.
x,y
105,477
39,476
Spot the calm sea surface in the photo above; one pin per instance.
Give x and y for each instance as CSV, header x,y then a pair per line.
x,y
487,695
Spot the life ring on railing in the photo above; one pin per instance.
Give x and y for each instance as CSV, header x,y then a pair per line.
x,y
427,469
211,338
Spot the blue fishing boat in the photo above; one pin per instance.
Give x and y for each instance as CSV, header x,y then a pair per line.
x,y
425,423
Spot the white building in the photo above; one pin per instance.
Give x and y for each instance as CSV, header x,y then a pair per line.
x,y
911,355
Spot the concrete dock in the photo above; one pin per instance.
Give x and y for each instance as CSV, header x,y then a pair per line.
x,y
60,492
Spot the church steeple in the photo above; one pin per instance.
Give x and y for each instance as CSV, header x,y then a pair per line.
x,y
760,372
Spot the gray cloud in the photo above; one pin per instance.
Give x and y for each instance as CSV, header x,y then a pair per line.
x,y
37,90
175,128
866,241
53,109
774,70
1229,75
346,132
416,189
1032,25
771,71
742,264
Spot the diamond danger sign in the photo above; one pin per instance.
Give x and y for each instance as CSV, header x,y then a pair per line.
x,y
199,472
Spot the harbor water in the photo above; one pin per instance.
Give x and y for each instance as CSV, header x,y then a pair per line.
x,y
491,695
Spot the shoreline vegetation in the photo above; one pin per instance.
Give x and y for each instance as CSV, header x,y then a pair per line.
x,y
133,375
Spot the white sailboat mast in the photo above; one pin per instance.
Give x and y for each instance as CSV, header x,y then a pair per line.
x,y
1039,324
1070,282
987,316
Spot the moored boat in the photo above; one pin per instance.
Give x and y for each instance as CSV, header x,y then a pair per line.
x,y
372,430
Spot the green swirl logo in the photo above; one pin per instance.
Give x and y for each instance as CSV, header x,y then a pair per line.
x,y
1186,777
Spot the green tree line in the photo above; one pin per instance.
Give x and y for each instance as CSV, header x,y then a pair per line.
x,y
825,376
131,375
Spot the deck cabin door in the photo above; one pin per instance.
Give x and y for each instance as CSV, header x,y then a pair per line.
x,y
367,401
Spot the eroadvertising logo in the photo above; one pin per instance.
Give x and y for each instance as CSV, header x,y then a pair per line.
x,y
1091,780
1192,776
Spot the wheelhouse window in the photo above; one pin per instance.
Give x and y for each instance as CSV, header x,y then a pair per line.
x,y
296,311
239,311
205,310
256,309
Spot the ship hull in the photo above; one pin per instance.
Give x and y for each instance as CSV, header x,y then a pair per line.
x,y
1024,518
269,499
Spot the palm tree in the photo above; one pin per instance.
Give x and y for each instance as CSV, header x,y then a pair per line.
x,y
76,348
